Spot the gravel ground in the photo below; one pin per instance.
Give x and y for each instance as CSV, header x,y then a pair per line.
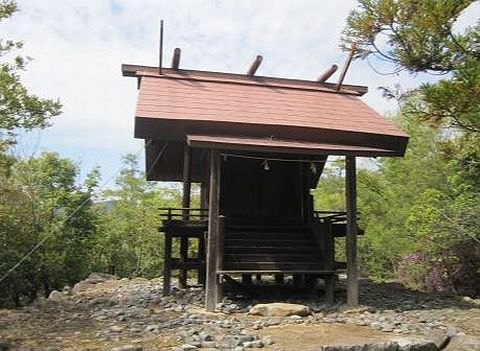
x,y
104,313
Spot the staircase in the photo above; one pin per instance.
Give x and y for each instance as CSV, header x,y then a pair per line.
x,y
272,249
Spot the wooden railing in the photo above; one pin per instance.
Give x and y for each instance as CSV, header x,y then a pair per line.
x,y
332,216
182,213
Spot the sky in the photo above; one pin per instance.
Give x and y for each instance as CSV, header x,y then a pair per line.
x,y
78,47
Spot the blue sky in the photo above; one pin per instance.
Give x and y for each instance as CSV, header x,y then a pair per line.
x,y
78,46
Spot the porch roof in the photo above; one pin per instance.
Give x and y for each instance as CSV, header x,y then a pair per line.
x,y
270,145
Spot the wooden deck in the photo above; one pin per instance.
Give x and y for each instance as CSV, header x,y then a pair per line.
x,y
305,251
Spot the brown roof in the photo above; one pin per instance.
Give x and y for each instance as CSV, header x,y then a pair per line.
x,y
182,102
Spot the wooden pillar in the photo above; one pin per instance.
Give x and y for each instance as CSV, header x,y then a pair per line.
x,y
187,185
279,279
212,239
204,199
330,288
351,244
219,249
329,254
201,258
167,264
247,279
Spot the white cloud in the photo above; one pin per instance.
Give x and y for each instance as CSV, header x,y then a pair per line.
x,y
79,45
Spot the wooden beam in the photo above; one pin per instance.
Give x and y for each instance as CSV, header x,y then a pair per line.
x,y
176,58
187,186
167,264
330,288
213,213
345,68
219,250
327,74
351,244
253,68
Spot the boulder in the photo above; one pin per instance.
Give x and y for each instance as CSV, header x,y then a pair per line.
x,y
96,277
279,310
5,345
81,287
55,295
464,343
93,278
128,348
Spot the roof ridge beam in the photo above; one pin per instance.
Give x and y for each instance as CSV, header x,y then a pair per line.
x,y
327,74
253,68
176,58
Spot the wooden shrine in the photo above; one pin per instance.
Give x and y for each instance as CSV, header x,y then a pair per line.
x,y
257,146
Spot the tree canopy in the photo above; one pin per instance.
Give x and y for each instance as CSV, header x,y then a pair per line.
x,y
419,36
19,109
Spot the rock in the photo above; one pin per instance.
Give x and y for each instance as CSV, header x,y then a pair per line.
x,y
268,340
55,295
81,287
5,345
128,348
95,278
243,338
279,310
187,347
67,290
464,343
116,329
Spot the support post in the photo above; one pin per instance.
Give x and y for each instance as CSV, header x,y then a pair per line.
x,y
329,253
167,264
204,200
279,280
182,278
330,288
212,240
351,244
219,255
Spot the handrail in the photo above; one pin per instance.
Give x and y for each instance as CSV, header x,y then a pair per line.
x,y
182,213
332,216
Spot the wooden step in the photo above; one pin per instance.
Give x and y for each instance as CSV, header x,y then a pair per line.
x,y
277,271
274,257
274,235
271,249
269,241
273,265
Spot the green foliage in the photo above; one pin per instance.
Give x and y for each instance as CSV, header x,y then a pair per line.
x,y
19,109
41,206
129,241
417,36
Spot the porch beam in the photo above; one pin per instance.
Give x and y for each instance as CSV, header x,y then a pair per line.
x,y
351,244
